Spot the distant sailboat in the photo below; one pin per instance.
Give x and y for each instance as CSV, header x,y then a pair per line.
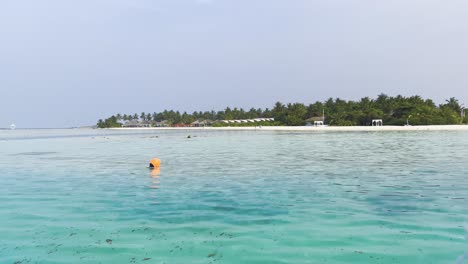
x,y
12,126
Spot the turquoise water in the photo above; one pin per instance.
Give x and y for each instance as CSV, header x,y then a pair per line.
x,y
86,196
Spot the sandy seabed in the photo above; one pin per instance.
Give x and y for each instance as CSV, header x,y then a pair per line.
x,y
312,128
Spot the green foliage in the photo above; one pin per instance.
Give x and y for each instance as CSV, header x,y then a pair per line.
x,y
109,122
398,110
296,115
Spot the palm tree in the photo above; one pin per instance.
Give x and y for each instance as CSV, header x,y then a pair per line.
x,y
453,104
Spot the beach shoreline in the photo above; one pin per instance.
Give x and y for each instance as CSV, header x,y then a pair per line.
x,y
310,128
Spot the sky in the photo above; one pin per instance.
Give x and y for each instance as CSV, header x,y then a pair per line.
x,y
67,63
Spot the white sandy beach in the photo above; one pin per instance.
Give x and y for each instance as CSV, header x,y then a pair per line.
x,y
312,128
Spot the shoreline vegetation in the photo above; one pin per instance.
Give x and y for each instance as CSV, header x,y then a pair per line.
x,y
395,112
310,128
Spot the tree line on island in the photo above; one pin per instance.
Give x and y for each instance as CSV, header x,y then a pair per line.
x,y
398,110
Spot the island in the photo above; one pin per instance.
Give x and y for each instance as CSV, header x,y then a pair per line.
x,y
383,110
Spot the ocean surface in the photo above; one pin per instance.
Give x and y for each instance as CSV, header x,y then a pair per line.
x,y
87,196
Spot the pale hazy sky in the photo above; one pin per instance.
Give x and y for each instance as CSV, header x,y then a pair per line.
x,y
68,63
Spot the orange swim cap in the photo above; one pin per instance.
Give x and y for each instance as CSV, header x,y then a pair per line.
x,y
155,163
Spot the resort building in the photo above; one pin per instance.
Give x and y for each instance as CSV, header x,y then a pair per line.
x,y
201,123
248,120
136,123
315,121
163,123
377,122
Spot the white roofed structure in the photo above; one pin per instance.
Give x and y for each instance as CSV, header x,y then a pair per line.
x,y
248,120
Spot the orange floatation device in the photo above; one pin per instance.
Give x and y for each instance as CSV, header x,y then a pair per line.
x,y
155,163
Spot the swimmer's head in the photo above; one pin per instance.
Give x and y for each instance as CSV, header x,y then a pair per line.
x,y
155,163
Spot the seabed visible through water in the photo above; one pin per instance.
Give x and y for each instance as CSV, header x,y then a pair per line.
x,y
87,196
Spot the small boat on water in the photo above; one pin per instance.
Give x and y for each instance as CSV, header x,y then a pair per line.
x,y
12,126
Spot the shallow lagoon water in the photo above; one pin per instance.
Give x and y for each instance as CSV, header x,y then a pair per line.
x,y
86,196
